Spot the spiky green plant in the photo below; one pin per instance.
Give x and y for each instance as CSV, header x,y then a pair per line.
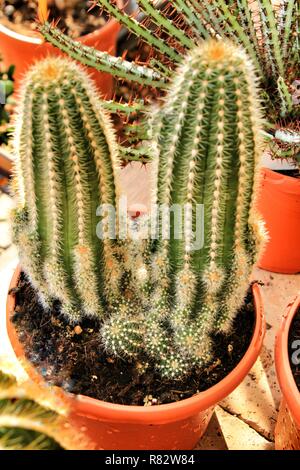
x,y
30,419
163,301
66,178
206,141
66,166
269,32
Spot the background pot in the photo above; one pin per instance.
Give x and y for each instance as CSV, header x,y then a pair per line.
x,y
23,51
287,432
173,426
279,204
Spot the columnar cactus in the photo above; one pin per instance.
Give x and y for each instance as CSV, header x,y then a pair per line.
x,y
66,166
207,146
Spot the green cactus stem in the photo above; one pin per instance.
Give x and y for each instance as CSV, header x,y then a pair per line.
x,y
102,61
33,418
268,31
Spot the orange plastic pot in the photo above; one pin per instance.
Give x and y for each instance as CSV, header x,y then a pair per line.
x,y
279,204
287,432
23,51
173,426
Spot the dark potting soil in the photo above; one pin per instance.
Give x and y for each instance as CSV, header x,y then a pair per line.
x,y
294,348
73,358
74,16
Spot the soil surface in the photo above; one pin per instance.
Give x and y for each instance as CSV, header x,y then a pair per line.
x,y
294,348
74,16
72,356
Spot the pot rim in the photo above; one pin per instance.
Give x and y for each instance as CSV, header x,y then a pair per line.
x,y
160,414
38,40
285,376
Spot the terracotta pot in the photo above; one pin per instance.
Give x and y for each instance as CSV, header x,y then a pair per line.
x,y
287,432
23,51
173,426
279,204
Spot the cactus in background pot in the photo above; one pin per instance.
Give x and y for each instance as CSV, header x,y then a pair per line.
x,y
66,166
33,418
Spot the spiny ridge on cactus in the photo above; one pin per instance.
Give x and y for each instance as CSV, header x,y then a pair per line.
x,y
66,166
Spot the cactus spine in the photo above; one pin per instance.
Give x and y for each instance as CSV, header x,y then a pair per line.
x,y
66,166
207,146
